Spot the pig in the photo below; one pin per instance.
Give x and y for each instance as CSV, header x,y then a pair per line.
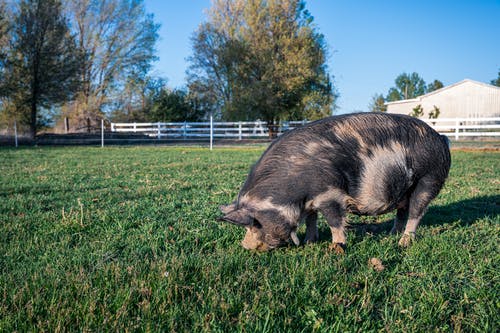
x,y
364,164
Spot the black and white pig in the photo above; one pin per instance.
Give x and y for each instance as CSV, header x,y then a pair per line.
x,y
365,163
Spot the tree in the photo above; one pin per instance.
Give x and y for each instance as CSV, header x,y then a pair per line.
x,y
43,62
435,85
377,104
174,106
496,82
417,111
434,113
4,30
212,73
119,39
135,101
261,59
4,43
407,86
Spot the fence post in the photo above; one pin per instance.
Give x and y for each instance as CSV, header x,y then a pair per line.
x,y
66,125
15,133
239,131
159,130
135,127
457,124
211,131
112,127
102,132
185,130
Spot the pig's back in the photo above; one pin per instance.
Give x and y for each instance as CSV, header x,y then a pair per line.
x,y
367,155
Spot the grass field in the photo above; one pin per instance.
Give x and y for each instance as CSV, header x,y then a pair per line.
x,y
126,239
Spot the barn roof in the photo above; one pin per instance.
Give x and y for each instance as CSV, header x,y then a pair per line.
x,y
419,98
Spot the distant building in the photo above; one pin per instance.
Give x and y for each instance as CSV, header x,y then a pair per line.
x,y
465,99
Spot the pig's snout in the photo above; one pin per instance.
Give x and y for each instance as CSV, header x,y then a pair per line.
x,y
252,241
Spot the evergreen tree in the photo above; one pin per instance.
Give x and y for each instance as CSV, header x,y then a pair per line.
x,y
496,82
417,111
378,104
435,85
407,86
174,106
434,114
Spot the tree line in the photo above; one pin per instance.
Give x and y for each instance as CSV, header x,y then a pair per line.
x,y
71,58
408,86
84,60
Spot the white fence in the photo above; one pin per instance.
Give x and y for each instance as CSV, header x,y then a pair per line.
x,y
229,130
466,127
454,127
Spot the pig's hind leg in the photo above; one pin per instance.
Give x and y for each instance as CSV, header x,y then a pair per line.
x,y
426,190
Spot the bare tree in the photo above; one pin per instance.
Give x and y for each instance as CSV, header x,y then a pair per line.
x,y
119,40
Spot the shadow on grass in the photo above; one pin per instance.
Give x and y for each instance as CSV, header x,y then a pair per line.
x,y
464,213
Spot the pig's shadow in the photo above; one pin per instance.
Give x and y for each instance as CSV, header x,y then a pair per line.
x,y
462,213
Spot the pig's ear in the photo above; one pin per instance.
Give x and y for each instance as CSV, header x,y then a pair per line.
x,y
228,208
240,217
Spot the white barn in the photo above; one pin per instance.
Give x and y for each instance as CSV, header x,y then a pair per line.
x,y
465,99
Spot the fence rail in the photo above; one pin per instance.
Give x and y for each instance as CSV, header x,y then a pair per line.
x,y
188,130
454,127
466,127
160,132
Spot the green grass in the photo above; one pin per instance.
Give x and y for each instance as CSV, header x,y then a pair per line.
x,y
126,239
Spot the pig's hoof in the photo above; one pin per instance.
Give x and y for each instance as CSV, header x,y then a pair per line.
x,y
397,229
406,240
338,248
311,239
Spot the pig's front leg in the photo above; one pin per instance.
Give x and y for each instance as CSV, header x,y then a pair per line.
x,y
312,234
400,221
335,216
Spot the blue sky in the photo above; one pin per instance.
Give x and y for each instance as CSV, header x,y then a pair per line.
x,y
370,42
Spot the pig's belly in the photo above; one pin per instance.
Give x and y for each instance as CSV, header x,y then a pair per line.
x,y
374,206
